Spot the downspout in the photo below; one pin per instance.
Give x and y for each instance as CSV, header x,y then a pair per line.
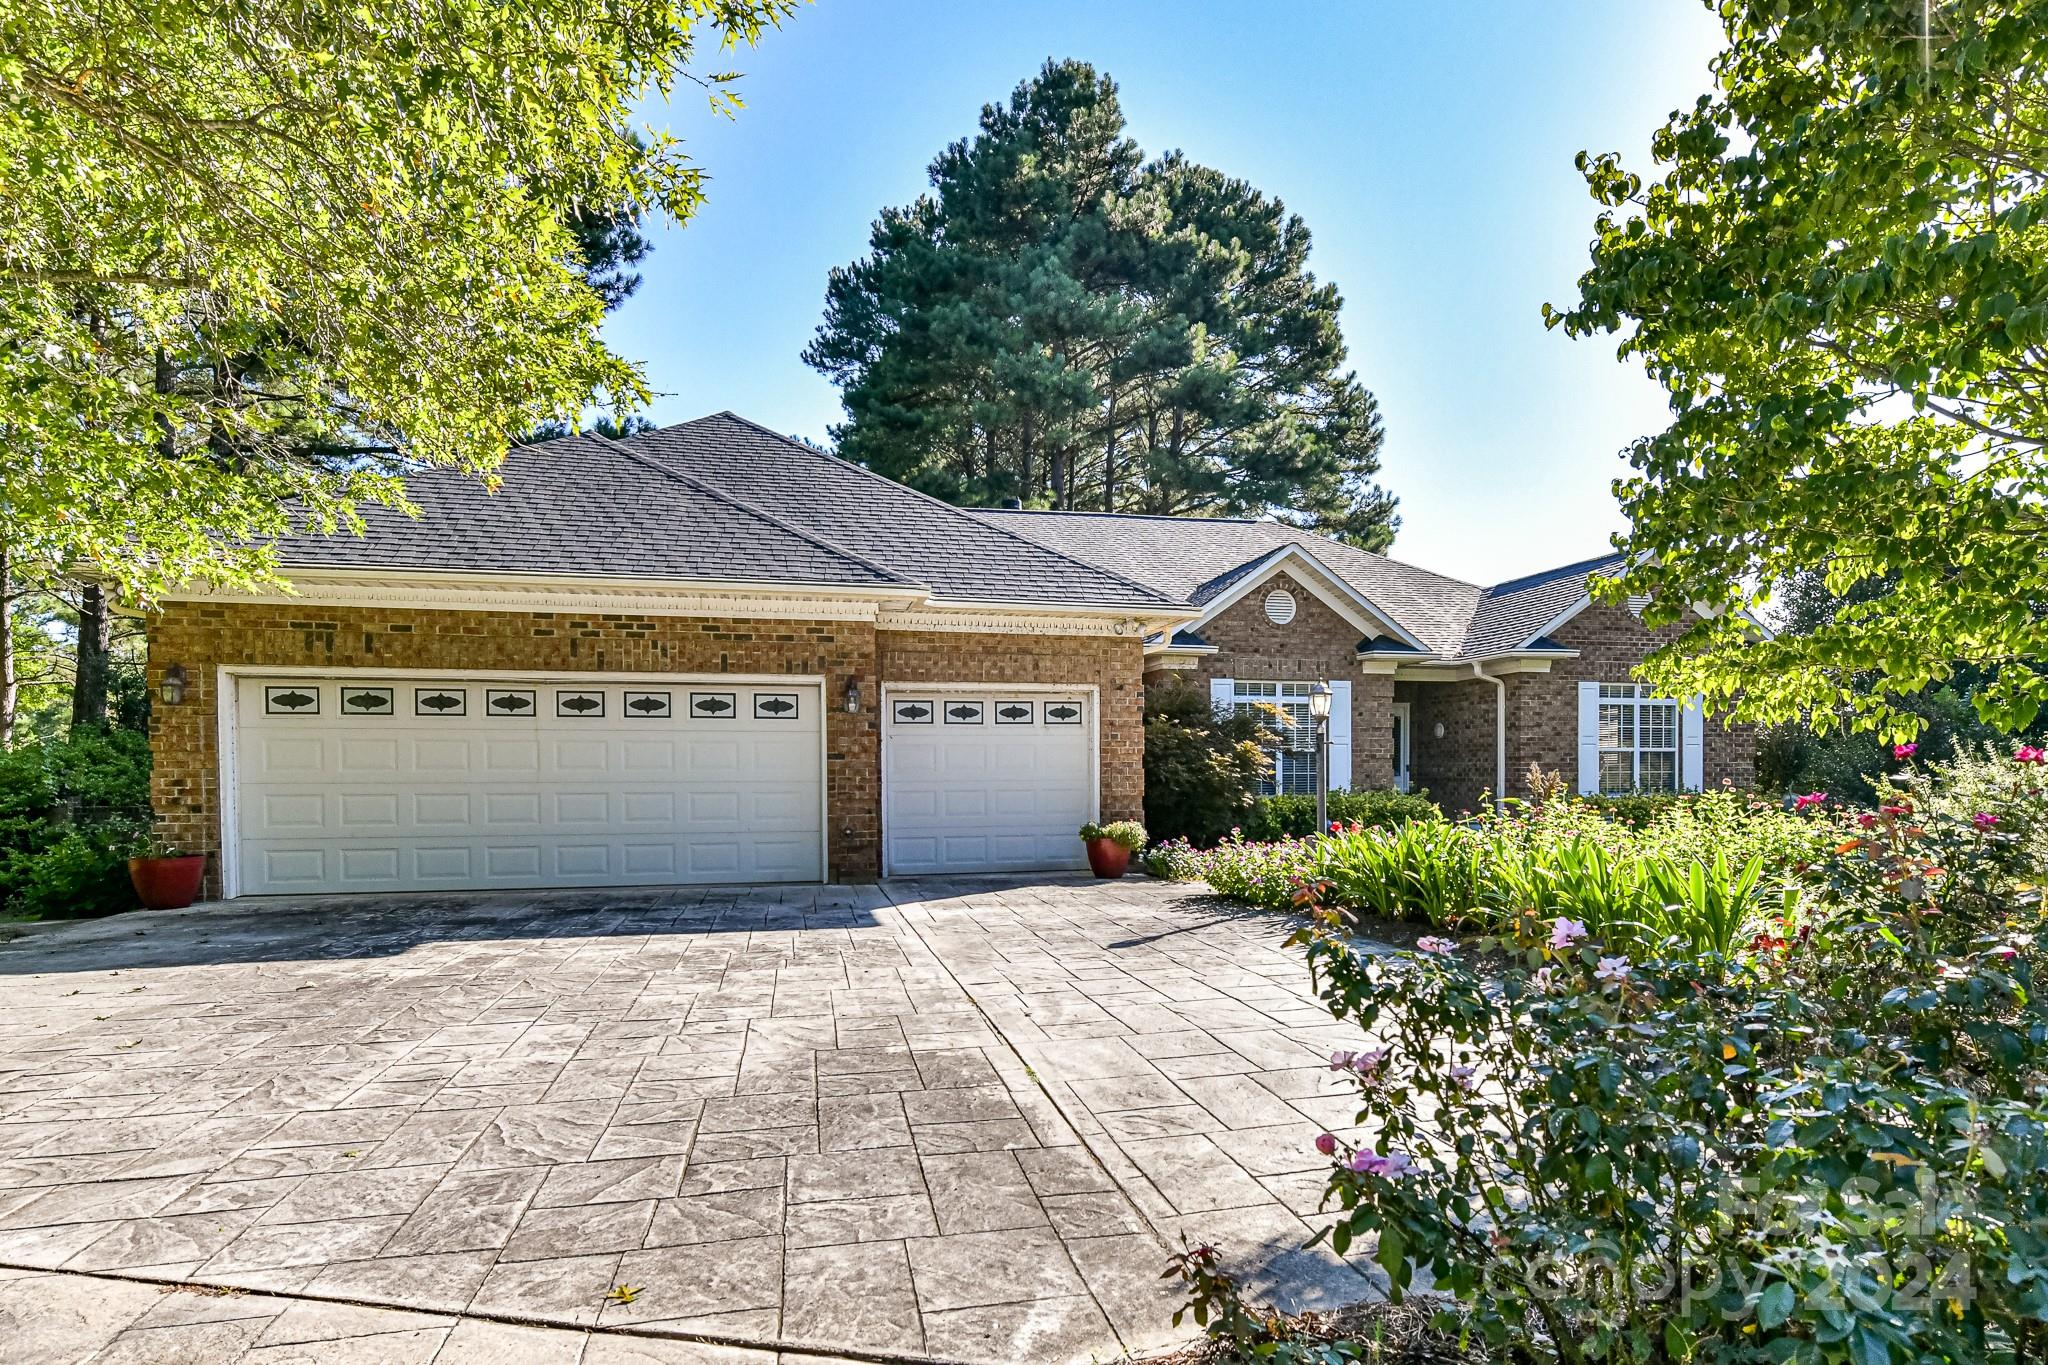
x,y
1500,734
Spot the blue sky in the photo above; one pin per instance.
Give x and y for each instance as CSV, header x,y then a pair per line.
x,y
1428,147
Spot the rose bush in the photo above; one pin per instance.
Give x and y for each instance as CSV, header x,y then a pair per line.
x,y
1829,1143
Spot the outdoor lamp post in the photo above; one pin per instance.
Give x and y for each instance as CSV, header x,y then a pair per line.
x,y
1319,709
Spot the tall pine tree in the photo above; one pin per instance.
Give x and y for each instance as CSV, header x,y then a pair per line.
x,y
1063,322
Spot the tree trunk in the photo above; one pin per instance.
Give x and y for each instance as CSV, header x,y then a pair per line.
x,y
10,689
95,648
1109,459
1056,475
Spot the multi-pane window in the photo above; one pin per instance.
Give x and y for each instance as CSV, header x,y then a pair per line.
x,y
1294,762
1638,740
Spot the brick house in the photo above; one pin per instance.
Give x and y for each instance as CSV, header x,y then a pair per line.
x,y
710,654
1440,685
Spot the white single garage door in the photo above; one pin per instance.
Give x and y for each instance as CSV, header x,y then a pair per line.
x,y
988,781
448,783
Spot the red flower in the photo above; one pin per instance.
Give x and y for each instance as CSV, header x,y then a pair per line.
x,y
1902,752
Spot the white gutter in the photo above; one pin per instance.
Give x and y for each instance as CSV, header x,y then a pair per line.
x,y
1500,734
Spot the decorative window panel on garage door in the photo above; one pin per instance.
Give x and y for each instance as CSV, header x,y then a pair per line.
x,y
451,783
986,781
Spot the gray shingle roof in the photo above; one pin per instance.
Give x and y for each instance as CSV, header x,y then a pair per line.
x,y
951,551
583,506
1512,612
722,499
1199,558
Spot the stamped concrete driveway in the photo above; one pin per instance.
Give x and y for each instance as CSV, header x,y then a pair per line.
x,y
935,1120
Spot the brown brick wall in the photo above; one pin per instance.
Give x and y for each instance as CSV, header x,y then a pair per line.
x,y
1543,716
1317,645
1113,666
204,636
1457,769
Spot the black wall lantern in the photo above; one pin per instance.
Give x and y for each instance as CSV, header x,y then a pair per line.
x,y
173,690
853,694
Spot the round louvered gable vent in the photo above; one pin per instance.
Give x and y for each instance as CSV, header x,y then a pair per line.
x,y
1279,606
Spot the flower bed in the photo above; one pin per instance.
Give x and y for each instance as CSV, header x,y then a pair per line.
x,y
1710,869
1826,1144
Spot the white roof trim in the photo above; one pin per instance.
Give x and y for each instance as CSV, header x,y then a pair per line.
x,y
1330,588
1585,600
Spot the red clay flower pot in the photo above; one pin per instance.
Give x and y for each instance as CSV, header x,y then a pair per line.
x,y
167,883
1108,858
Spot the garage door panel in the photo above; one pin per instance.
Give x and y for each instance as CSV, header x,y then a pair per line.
x,y
582,860
512,810
367,811
287,810
964,803
281,757
361,866
989,797
462,797
362,756
642,808
294,867
578,758
444,864
789,809
504,757
440,754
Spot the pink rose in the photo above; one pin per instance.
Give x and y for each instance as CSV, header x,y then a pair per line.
x,y
1326,1143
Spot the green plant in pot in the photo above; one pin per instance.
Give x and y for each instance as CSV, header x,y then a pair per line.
x,y
165,876
1110,846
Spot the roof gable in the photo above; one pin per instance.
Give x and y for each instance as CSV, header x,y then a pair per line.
x,y
1512,616
1304,568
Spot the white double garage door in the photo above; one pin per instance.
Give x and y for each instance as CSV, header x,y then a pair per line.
x,y
423,783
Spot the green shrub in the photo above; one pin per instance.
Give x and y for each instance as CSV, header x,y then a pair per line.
x,y
1294,817
1427,870
1828,1145
70,811
82,873
1127,834
1203,765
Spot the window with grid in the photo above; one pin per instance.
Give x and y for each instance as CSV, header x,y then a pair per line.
x,y
1638,740
1294,762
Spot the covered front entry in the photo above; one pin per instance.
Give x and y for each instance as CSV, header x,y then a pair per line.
x,y
986,780
444,782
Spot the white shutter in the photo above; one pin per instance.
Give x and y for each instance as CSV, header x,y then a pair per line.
x,y
1692,747
1589,739
1222,692
1340,736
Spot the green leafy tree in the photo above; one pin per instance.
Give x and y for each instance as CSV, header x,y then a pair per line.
x,y
1203,763
1062,322
1842,280
258,260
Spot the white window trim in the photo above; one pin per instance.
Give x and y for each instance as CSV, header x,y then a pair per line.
x,y
1404,712
1244,694
1638,699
